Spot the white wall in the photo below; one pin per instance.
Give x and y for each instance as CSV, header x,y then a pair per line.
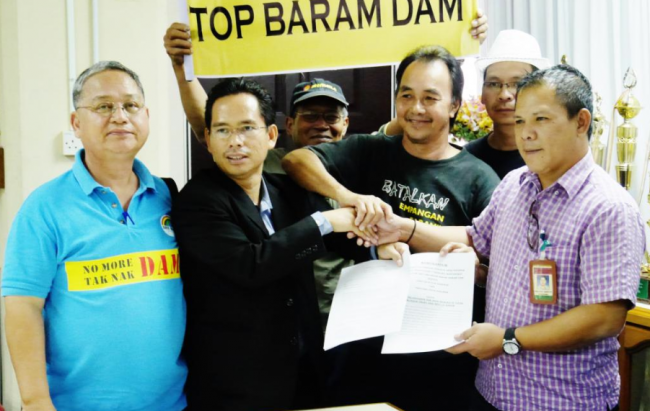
x,y
34,96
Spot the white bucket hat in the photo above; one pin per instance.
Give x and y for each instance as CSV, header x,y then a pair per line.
x,y
514,45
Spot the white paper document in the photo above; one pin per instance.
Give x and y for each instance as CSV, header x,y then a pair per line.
x,y
418,307
369,301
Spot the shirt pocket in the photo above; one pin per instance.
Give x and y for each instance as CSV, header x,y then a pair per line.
x,y
567,262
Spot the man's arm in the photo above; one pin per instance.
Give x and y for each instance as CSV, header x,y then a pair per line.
x,y
419,236
210,230
26,340
178,44
605,274
576,328
308,171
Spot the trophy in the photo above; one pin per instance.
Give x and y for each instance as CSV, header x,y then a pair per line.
x,y
599,124
628,107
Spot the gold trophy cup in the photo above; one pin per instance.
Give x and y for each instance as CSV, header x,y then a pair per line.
x,y
599,124
628,107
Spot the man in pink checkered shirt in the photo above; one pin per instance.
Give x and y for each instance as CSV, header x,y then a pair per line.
x,y
560,354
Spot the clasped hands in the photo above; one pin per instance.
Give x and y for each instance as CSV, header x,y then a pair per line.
x,y
375,224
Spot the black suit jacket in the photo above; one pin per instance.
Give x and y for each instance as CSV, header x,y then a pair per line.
x,y
252,308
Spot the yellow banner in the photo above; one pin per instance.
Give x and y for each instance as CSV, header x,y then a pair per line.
x,y
123,269
240,37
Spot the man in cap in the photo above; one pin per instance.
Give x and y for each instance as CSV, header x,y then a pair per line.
x,y
318,110
318,115
513,55
95,307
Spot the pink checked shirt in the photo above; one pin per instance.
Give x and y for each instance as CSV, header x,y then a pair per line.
x,y
598,243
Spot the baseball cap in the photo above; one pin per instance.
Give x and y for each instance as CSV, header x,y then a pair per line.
x,y
317,88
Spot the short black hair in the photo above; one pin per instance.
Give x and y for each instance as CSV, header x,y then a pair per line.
x,y
572,88
428,54
232,86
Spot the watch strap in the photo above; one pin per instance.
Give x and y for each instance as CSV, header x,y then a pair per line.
x,y
510,344
510,335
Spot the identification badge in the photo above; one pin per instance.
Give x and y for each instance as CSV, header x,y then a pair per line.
x,y
543,282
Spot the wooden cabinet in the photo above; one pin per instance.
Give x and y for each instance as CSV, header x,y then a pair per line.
x,y
634,360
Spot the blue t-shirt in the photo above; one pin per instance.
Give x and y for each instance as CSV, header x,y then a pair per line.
x,y
114,309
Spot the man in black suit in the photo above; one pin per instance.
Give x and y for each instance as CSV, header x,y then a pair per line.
x,y
247,243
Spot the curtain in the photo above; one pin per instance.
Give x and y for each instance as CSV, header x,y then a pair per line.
x,y
602,38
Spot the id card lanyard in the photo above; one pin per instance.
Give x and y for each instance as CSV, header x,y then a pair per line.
x,y
543,275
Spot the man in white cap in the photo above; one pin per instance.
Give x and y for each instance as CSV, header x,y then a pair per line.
x,y
513,55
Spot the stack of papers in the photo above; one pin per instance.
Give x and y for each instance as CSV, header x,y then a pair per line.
x,y
418,307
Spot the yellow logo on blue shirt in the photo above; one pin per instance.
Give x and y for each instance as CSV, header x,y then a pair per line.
x,y
166,224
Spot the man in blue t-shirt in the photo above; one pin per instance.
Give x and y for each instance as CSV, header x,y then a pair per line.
x,y
95,314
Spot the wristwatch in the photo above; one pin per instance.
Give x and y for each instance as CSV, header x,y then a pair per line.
x,y
510,344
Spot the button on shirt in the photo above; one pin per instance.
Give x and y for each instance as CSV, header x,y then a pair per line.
x,y
598,242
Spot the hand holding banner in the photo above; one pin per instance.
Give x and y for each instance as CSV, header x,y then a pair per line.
x,y
241,37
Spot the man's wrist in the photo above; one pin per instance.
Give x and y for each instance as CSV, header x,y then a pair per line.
x,y
324,225
406,228
511,346
179,69
342,195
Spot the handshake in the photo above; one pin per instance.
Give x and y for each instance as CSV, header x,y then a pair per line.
x,y
372,222
366,218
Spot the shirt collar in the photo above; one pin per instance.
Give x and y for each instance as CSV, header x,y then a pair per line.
x,y
571,181
88,183
265,201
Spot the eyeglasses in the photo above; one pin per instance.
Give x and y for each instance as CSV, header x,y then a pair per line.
x,y
224,133
108,108
533,228
312,117
495,86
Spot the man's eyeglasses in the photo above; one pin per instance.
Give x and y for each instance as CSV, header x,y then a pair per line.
x,y
533,228
244,131
496,86
312,117
108,108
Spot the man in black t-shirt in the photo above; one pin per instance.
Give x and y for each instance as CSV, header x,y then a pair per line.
x,y
513,55
438,192
421,176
